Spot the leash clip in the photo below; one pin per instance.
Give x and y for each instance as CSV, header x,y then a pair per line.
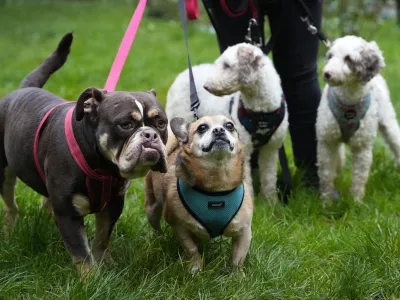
x,y
327,43
195,113
249,36
311,28
314,31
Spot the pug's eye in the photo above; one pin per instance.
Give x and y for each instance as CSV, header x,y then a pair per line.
x,y
126,125
329,56
161,124
202,128
229,126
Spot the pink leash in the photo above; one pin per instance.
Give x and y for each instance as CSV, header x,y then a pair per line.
x,y
125,46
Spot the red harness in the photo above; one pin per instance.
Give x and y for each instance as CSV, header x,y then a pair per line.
x,y
111,184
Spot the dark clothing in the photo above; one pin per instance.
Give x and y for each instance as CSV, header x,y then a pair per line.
x,y
294,53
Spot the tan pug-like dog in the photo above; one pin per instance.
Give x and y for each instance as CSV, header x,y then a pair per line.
x,y
207,155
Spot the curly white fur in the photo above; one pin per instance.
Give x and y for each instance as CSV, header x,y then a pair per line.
x,y
243,70
352,67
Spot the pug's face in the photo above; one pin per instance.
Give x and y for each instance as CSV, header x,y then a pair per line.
x,y
211,136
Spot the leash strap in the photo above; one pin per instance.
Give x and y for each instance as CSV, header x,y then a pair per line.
x,y
308,19
125,46
194,99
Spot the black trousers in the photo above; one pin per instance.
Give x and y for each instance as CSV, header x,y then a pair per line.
x,y
294,52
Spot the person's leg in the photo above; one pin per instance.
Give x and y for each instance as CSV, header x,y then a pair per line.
x,y
230,30
295,58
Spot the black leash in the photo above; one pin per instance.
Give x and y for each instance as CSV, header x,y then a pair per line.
x,y
306,18
194,98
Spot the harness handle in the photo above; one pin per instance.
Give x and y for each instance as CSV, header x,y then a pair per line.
x,y
194,98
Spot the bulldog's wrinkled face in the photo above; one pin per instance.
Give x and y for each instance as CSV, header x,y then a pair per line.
x,y
130,128
212,136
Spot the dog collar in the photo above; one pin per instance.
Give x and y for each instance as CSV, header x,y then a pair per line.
x,y
348,116
212,210
260,125
107,183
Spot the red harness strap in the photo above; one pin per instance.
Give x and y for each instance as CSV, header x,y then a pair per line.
x,y
111,183
36,141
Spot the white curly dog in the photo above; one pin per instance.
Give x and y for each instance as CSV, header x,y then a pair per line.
x,y
354,104
243,84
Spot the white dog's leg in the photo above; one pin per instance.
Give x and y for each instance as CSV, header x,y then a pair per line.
x,y
267,162
391,133
328,157
240,247
186,241
341,158
361,164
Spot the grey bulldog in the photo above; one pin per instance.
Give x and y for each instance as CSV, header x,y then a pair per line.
x,y
79,155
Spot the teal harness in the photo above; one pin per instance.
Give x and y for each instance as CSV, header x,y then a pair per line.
x,y
212,210
348,116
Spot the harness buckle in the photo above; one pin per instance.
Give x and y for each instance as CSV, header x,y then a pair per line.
x,y
253,36
195,113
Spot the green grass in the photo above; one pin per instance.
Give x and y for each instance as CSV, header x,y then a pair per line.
x,y
302,251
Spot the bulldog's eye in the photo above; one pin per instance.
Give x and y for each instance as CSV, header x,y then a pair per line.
x,y
329,56
229,126
161,124
126,125
202,128
226,65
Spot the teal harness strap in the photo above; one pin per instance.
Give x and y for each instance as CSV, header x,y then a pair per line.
x,y
348,116
212,210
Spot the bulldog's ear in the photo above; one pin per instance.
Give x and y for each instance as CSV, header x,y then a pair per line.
x,y
180,128
88,102
153,91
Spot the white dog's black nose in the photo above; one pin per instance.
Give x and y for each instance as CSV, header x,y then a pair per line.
x,y
218,131
327,75
149,135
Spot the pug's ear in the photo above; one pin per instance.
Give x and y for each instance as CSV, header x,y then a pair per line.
x,y
88,103
180,128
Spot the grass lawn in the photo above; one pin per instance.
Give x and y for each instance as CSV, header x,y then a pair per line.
x,y
304,251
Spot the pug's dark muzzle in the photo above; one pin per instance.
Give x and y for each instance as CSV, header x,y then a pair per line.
x,y
219,142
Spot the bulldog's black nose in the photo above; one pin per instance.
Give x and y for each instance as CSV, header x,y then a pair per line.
x,y
218,131
149,135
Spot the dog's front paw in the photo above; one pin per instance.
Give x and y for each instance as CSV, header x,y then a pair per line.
x,y
85,270
195,264
330,196
104,257
271,196
358,195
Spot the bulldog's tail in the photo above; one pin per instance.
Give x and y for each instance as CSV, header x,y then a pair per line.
x,y
39,76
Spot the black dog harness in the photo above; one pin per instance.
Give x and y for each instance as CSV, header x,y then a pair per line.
x,y
260,125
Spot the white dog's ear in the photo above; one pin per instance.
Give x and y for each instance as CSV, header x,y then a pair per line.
x,y
372,61
180,128
248,56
